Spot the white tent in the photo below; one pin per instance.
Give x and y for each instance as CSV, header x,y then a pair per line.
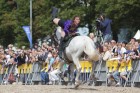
x,y
137,35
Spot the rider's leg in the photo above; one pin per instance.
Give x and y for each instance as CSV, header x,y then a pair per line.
x,y
56,20
60,23
61,49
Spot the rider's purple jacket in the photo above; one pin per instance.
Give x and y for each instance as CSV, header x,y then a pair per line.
x,y
67,25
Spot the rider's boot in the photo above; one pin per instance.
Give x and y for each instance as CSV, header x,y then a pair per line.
x,y
54,12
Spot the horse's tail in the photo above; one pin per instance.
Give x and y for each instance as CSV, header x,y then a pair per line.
x,y
91,50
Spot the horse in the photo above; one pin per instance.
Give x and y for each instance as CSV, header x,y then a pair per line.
x,y
77,46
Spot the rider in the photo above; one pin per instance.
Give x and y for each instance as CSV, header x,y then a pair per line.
x,y
69,27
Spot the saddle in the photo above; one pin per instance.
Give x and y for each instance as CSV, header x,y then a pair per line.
x,y
67,40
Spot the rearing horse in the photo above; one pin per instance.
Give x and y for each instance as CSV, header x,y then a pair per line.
x,y
77,46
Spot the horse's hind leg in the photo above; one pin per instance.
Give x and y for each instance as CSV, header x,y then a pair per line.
x,y
78,67
60,74
71,74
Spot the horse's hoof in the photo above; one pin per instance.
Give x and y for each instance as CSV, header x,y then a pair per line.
x,y
77,84
84,82
95,79
64,83
90,83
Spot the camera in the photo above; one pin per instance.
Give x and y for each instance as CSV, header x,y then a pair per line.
x,y
98,23
98,20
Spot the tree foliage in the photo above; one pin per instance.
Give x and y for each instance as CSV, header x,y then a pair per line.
x,y
16,13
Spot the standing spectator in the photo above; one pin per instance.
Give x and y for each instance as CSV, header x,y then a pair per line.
x,y
105,27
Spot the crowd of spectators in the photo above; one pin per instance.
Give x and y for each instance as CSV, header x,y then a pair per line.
x,y
18,56
122,52
48,54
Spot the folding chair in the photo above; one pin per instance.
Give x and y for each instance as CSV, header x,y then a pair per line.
x,y
99,68
82,63
122,68
7,74
28,81
137,72
129,71
88,66
115,65
109,68
33,73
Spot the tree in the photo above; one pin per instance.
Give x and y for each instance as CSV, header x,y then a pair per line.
x,y
15,13
124,13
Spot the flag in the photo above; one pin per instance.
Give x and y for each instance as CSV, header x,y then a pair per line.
x,y
28,33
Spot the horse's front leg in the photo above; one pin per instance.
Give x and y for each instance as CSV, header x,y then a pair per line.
x,y
92,76
71,73
61,64
60,73
78,67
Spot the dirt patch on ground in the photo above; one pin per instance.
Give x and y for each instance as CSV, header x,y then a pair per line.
x,y
64,89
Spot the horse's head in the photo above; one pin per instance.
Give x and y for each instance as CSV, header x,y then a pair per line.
x,y
99,47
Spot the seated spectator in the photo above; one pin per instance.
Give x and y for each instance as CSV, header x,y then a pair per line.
x,y
124,72
21,58
44,76
114,75
91,35
51,69
132,41
107,53
2,61
135,52
114,46
137,44
123,49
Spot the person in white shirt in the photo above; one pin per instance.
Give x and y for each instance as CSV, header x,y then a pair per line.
x,y
114,46
123,49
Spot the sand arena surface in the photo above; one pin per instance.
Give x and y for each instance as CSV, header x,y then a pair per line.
x,y
65,89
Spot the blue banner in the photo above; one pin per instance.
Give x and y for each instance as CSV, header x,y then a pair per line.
x,y
28,33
